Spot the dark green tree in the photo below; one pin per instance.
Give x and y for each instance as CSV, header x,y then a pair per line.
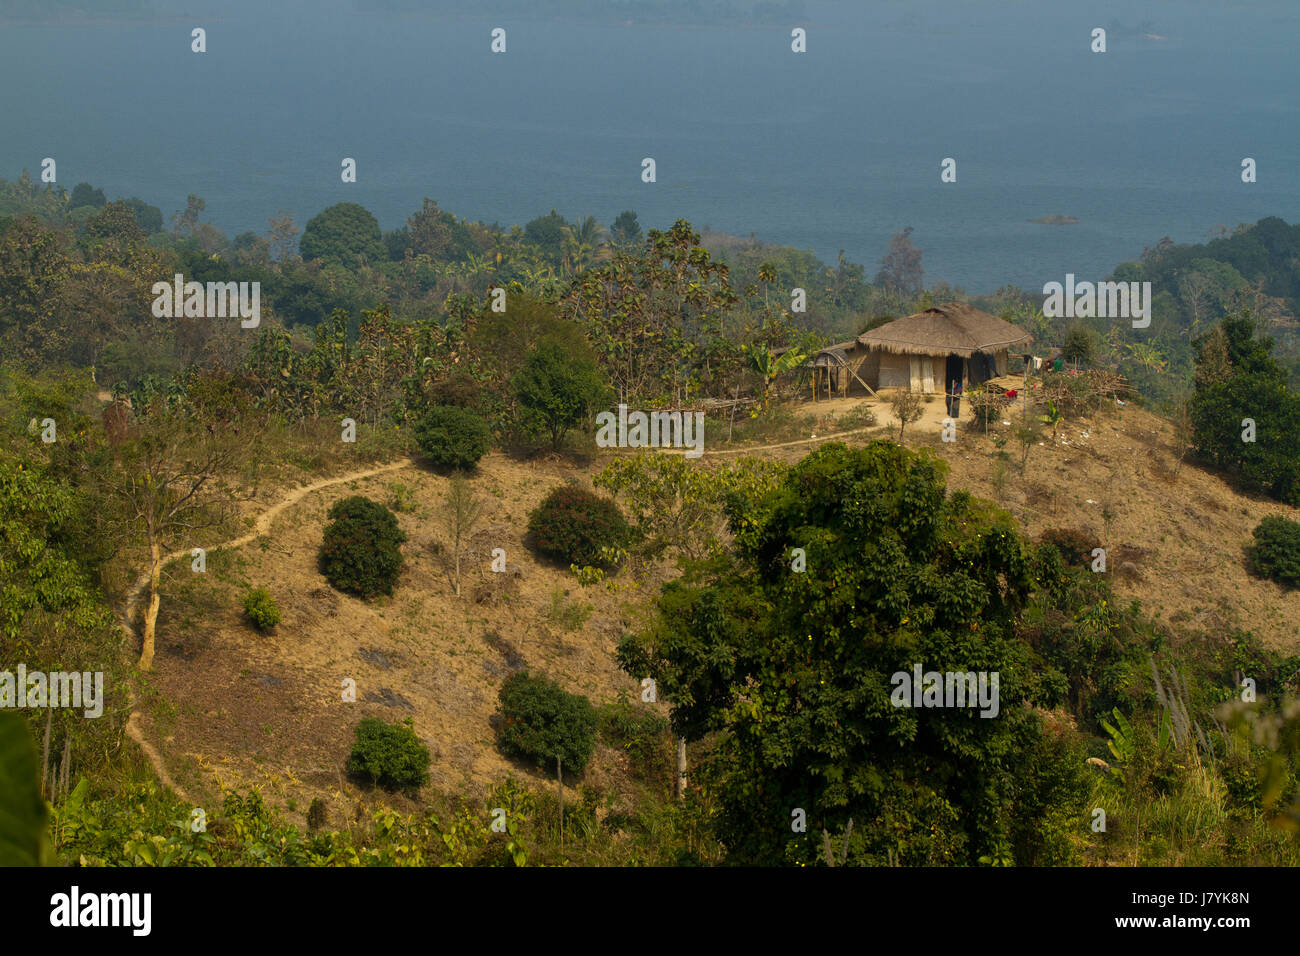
x,y
84,194
797,666
149,217
1244,417
345,234
548,233
557,389
625,230
115,221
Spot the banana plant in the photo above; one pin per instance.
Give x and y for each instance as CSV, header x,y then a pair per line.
x,y
769,366
1053,418
1122,746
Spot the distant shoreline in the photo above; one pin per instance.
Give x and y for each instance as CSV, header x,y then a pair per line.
x,y
1055,220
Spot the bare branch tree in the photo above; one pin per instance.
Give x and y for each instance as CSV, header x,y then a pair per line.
x,y
462,510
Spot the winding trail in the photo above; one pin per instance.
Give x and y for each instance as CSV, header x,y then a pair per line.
x,y
260,527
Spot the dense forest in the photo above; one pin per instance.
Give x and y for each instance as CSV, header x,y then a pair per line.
x,y
1121,737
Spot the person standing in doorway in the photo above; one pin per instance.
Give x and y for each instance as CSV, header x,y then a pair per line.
x,y
954,399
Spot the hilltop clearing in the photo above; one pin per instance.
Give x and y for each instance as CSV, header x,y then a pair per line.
x,y
237,707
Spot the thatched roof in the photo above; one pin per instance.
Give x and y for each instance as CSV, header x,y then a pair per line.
x,y
834,355
950,329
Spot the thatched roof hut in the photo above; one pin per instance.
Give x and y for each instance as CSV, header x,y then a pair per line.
x,y
925,352
951,329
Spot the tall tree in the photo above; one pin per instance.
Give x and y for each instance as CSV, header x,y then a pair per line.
x,y
282,237
462,509
557,388
798,667
177,472
652,315
186,224
625,231
900,268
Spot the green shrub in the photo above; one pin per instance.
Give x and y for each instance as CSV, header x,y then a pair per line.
x,y
401,498
261,609
452,437
573,525
540,722
389,754
1276,553
360,553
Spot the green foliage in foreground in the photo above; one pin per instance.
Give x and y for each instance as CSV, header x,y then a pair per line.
x,y
796,667
787,675
389,755
139,825
23,838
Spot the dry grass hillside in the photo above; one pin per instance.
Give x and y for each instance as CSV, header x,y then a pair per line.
x,y
1174,535
230,706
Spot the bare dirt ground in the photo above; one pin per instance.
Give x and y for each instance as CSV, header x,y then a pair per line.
x,y
239,708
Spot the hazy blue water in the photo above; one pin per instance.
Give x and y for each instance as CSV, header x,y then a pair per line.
x,y
835,148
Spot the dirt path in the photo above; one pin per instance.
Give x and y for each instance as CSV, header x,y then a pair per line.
x,y
818,440
260,527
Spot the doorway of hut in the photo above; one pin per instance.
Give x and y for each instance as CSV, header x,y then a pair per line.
x,y
952,376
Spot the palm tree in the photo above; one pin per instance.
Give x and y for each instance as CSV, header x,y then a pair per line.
x,y
587,230
766,275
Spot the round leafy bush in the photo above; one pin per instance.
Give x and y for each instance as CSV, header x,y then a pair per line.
x,y
541,721
389,754
453,437
573,525
360,553
1276,554
261,609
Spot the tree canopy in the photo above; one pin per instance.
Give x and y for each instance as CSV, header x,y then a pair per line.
x,y
345,234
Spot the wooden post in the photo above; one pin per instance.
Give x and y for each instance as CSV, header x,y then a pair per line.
x,y
732,424
559,779
681,768
45,757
